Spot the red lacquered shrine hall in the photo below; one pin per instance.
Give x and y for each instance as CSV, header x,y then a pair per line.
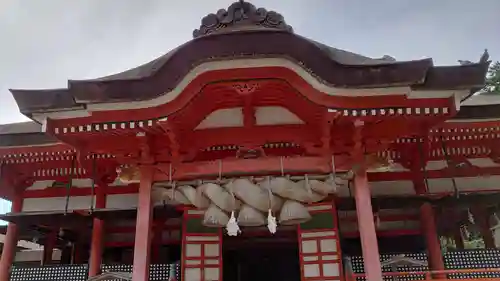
x,y
251,152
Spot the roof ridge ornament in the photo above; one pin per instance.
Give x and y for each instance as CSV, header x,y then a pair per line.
x,y
484,59
241,15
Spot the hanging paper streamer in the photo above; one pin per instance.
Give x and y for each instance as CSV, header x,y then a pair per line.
x,y
232,227
271,222
470,216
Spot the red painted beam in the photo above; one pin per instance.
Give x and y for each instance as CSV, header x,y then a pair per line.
x,y
434,174
210,168
261,74
130,229
386,233
79,191
257,135
353,234
391,218
233,167
120,244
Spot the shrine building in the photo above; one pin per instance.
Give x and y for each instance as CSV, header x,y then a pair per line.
x,y
254,153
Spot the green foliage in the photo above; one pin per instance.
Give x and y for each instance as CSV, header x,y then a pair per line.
x,y
493,79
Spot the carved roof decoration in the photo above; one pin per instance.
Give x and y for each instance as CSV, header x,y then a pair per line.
x,y
241,15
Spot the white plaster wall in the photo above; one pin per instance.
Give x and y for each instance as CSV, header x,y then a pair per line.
x,y
479,162
38,185
465,184
436,165
382,188
484,99
223,118
275,115
121,201
76,183
35,255
57,203
483,162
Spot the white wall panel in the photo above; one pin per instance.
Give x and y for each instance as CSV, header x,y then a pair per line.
x,y
465,184
57,203
121,201
275,115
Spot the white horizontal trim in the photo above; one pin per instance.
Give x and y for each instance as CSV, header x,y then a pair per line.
x,y
472,120
482,99
245,63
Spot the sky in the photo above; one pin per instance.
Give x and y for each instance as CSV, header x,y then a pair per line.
x,y
45,43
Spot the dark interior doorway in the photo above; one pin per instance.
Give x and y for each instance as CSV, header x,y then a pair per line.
x,y
387,245
261,258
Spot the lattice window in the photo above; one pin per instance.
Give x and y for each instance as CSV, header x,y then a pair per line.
x,y
202,258
157,272
50,273
320,255
473,259
201,250
358,266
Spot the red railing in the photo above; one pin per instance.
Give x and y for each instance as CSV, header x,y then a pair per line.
x,y
442,274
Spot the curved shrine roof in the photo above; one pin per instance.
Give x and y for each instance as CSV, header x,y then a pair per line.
x,y
24,133
238,32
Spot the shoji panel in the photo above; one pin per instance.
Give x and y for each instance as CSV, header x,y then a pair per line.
x,y
201,249
320,256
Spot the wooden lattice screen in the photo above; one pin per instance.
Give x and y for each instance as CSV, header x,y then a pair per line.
x,y
319,245
201,249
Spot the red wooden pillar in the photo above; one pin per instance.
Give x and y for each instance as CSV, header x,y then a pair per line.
x,y
366,225
428,225
97,243
319,246
142,246
11,239
427,218
49,245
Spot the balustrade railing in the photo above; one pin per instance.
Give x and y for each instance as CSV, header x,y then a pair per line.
x,y
157,272
465,264
450,274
